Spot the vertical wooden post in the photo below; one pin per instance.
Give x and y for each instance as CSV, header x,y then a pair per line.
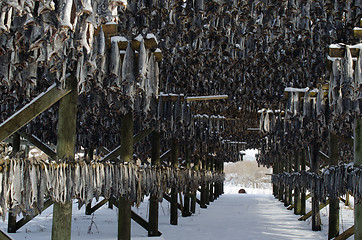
x,y
88,207
290,191
286,188
275,188
203,187
211,185
11,216
174,164
207,188
186,209
62,213
314,167
281,187
358,162
126,155
155,161
302,194
193,195
333,226
297,203
217,184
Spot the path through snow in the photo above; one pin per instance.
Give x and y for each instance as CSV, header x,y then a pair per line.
x,y
232,216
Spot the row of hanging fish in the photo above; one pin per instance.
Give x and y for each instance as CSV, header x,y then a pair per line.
x,y
334,181
25,184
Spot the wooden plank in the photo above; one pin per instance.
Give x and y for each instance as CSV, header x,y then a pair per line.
x,y
27,219
309,214
31,110
206,98
4,236
339,52
97,206
357,150
136,138
165,155
346,234
39,144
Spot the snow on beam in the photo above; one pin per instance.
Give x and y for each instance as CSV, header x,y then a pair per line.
x,y
337,50
30,111
357,32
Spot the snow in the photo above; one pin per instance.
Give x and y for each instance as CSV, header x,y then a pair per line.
x,y
118,39
291,89
256,215
139,38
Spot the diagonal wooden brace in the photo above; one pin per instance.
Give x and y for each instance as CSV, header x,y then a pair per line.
x,y
31,110
39,144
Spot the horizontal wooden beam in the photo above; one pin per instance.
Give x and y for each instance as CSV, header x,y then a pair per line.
x,y
335,52
39,144
136,138
207,98
31,111
357,32
346,234
27,218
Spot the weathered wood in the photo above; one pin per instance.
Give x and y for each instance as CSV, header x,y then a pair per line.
x,y
357,32
309,214
31,110
340,52
346,234
143,223
186,209
97,206
211,184
4,236
193,195
297,200
168,199
303,197
314,167
174,164
39,144
67,117
358,162
333,219
27,218
155,161
136,138
126,155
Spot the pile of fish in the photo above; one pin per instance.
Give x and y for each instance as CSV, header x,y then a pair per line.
x,y
26,184
334,181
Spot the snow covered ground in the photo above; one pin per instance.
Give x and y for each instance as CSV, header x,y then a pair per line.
x,y
255,215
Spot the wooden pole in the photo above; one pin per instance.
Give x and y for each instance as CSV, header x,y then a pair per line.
x,y
88,207
358,162
186,209
174,164
62,213
297,201
281,188
207,188
275,188
314,167
193,195
203,187
12,216
211,185
290,190
286,188
155,161
302,192
222,172
333,226
126,155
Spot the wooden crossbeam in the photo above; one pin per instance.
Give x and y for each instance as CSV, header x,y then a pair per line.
x,y
309,214
143,223
338,52
346,234
136,138
4,236
168,199
39,144
165,155
357,32
174,97
27,218
31,110
97,206
292,206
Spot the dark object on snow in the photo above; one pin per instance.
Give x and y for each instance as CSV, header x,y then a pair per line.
x,y
242,190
